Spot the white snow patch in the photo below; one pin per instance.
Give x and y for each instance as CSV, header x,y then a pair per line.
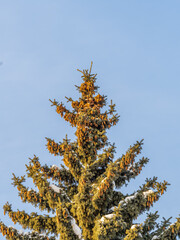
x,y
134,226
108,216
140,235
147,193
127,199
59,190
55,188
124,201
23,233
112,208
155,237
55,166
76,228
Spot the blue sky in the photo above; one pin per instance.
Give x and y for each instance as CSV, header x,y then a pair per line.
x,y
135,49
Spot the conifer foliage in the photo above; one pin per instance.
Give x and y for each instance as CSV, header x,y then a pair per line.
x,y
82,198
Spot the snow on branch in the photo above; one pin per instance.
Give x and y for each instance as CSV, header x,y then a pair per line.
x,y
56,167
155,237
129,198
29,235
125,201
147,193
76,228
55,188
59,190
108,216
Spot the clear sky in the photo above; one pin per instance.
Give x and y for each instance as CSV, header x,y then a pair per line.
x,y
135,49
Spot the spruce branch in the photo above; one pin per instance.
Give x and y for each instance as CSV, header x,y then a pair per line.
x,y
13,234
30,195
32,221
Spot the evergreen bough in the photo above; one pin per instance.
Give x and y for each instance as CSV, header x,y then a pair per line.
x,y
85,201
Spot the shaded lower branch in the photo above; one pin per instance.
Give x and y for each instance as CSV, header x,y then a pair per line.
x,y
38,223
13,234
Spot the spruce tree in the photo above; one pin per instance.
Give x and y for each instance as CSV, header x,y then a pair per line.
x,y
83,195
